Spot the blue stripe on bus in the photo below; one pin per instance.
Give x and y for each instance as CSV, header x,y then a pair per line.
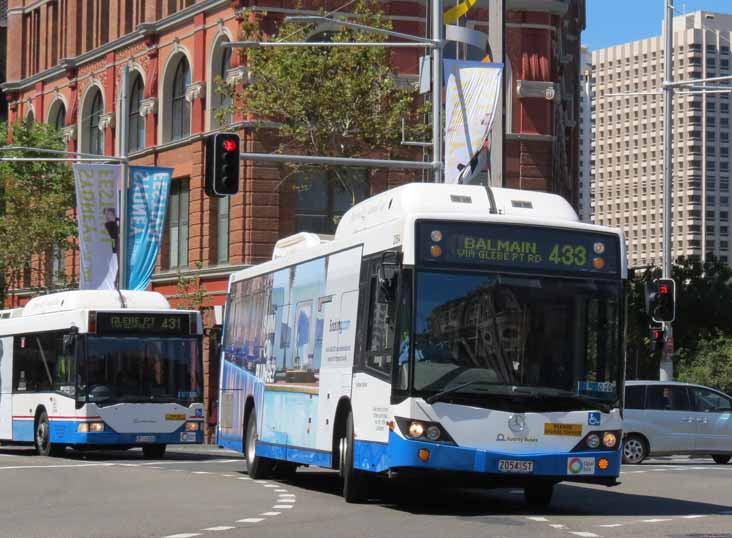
x,y
403,453
307,456
23,430
370,456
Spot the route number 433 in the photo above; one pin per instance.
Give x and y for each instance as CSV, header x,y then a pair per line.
x,y
569,255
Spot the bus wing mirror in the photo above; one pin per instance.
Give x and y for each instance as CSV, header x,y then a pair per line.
x,y
385,285
69,344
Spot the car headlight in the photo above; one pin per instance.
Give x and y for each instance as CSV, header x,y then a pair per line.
x,y
192,426
593,440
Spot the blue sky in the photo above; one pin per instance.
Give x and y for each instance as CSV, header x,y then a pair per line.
x,y
611,22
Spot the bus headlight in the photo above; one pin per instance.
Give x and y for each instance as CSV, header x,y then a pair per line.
x,y
433,433
83,427
192,426
416,429
593,440
96,427
609,439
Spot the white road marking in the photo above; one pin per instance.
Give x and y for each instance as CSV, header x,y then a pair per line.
x,y
282,506
611,525
537,518
183,535
228,475
219,528
280,491
585,534
244,478
557,526
693,517
286,501
270,513
270,486
222,461
201,472
657,520
250,520
286,495
60,466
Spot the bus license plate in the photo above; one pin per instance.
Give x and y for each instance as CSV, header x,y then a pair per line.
x,y
187,437
515,466
145,439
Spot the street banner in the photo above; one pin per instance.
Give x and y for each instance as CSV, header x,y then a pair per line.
x,y
97,187
147,203
473,91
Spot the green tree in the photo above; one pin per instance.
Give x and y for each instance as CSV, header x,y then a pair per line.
x,y
710,364
337,102
35,198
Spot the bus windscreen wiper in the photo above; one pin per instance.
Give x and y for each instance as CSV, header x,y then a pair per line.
x,y
605,407
449,390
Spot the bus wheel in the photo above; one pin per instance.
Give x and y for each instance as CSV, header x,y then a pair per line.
x,y
355,484
257,466
539,494
153,452
42,438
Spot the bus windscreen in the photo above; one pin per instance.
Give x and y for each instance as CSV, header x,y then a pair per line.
x,y
517,247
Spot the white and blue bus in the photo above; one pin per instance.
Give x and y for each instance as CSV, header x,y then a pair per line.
x,y
100,369
446,330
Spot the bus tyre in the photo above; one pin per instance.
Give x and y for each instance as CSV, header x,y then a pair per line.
x,y
257,466
539,494
355,484
721,460
153,452
635,449
42,438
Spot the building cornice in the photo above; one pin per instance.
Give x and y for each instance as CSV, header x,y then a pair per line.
x,y
141,32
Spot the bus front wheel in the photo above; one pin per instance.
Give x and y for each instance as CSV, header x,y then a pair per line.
x,y
153,452
42,438
355,486
257,466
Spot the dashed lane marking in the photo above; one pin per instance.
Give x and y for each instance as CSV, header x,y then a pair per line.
x,y
59,466
201,472
269,514
611,525
585,534
282,506
244,478
183,535
693,516
537,518
655,520
219,528
280,491
557,526
252,519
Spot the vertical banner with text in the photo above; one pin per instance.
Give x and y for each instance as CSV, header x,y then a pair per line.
x,y
473,91
147,203
97,187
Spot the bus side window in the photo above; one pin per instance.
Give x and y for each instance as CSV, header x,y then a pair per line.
x,y
381,331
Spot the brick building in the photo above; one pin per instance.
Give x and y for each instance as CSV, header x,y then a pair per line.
x,y
67,71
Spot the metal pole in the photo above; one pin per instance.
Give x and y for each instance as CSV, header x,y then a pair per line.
x,y
437,24
124,109
666,367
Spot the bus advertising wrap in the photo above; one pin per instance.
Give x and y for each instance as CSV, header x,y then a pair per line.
x,y
518,247
147,203
96,210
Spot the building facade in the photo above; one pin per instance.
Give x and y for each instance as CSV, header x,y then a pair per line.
x,y
585,137
67,71
627,141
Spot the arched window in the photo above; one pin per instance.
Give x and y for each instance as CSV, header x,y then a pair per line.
x,y
180,121
57,116
137,121
93,135
221,101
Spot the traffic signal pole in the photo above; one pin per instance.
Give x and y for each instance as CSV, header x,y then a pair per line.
x,y
666,370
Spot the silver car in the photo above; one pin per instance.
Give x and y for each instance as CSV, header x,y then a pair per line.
x,y
663,417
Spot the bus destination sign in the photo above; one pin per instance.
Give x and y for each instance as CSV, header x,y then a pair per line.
x,y
147,323
505,246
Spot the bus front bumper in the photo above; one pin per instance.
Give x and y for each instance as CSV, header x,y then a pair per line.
x,y
66,433
402,456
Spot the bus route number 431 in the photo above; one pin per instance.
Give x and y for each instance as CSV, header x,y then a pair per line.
x,y
515,466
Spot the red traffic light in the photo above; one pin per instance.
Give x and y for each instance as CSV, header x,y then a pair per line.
x,y
663,289
230,145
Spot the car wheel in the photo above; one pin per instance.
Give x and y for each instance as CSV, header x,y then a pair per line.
x,y
634,450
721,460
257,466
539,494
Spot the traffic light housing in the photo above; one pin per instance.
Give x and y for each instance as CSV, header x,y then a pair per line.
x,y
661,300
222,164
657,338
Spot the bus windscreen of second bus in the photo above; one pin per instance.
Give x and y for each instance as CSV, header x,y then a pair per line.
x,y
513,332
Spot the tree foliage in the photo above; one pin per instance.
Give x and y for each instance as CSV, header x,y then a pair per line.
x,y
703,314
336,101
710,364
35,199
